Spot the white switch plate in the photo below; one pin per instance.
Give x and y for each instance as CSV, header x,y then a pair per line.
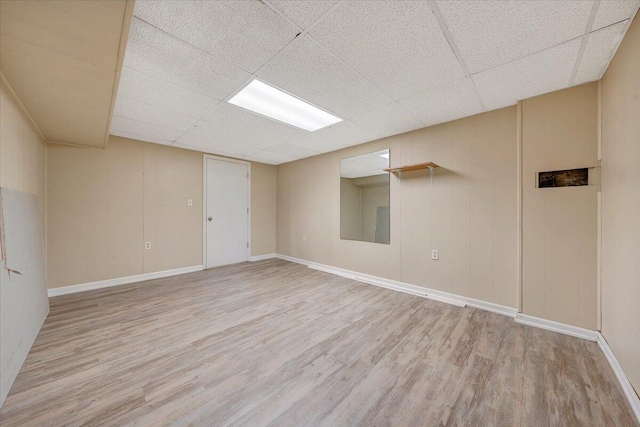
x,y
147,245
434,254
190,202
304,237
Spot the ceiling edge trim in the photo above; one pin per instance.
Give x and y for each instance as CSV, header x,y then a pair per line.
x,y
6,83
72,144
124,38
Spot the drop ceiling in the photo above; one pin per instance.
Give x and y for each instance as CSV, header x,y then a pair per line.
x,y
384,67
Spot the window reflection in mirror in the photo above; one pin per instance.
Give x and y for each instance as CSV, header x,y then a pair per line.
x,y
364,198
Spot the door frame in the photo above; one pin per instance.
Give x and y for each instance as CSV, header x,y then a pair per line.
x,y
206,157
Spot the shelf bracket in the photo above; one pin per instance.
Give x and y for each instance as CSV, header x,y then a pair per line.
x,y
431,170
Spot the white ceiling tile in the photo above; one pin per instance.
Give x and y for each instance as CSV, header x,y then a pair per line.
x,y
612,11
243,33
232,135
133,127
236,117
224,142
303,12
346,133
490,33
308,71
139,111
317,143
205,149
292,150
160,93
445,103
335,137
397,45
533,75
166,57
600,47
270,157
389,120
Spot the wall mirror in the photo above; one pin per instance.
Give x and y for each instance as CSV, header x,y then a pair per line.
x,y
364,198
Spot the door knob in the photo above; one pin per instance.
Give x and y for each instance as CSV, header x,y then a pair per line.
x,y
209,219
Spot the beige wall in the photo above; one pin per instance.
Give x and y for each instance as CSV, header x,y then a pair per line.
x,y
469,214
105,204
263,209
621,204
22,150
560,131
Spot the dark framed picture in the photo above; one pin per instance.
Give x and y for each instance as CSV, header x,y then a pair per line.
x,y
564,178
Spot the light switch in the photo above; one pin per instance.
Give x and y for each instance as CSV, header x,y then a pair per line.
x,y
190,202
434,254
304,237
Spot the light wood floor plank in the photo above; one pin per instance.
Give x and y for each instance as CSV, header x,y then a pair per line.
x,y
273,343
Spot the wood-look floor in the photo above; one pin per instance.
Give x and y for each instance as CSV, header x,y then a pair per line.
x,y
275,343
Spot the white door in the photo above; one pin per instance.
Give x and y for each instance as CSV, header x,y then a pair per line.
x,y
227,212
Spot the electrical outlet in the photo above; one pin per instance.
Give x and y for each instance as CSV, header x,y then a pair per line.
x,y
434,254
190,202
304,237
147,245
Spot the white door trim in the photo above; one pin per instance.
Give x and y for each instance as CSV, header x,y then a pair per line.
x,y
206,157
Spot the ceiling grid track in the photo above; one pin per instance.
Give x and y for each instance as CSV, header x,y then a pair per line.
x,y
454,48
585,39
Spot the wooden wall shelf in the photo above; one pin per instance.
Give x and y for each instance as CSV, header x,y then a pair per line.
x,y
418,166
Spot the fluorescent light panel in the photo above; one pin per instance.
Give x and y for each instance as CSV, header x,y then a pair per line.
x,y
275,104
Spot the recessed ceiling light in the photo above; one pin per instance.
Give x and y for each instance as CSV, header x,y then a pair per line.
x,y
275,104
385,155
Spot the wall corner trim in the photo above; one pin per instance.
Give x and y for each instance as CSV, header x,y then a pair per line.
x,y
90,286
395,285
255,258
5,82
554,326
627,388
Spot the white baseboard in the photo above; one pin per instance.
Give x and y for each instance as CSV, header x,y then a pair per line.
x,y
386,283
261,257
628,389
433,294
292,259
54,292
562,328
